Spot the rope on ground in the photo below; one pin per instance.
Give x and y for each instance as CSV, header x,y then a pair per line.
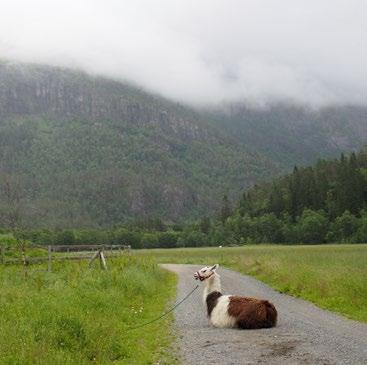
x,y
165,313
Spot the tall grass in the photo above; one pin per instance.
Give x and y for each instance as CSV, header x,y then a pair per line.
x,y
332,276
77,315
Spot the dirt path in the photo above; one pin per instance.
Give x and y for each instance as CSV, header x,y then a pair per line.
x,y
305,334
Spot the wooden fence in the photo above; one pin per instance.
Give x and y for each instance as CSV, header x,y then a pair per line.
x,y
66,252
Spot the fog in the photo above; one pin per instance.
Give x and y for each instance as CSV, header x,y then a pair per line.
x,y
201,51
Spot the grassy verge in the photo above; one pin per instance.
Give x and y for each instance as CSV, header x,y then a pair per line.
x,y
77,315
331,276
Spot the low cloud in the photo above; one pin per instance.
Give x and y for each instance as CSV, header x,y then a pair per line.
x,y
201,52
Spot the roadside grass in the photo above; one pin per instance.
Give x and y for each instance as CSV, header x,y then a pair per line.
x,y
81,315
332,276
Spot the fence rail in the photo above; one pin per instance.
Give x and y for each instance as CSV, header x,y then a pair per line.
x,y
54,253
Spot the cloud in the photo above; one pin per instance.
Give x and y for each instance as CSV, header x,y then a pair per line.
x,y
205,51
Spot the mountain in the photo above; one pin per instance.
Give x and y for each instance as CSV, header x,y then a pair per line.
x,y
85,150
82,150
295,134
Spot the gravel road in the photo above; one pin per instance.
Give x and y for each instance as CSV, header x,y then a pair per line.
x,y
305,334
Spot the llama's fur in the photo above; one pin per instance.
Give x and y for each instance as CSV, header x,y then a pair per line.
x,y
233,311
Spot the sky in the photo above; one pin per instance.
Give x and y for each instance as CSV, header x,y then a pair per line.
x,y
201,51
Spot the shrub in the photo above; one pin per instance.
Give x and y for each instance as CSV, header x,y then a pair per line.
x,y
149,240
168,239
312,226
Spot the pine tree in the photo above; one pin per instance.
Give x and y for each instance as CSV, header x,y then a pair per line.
x,y
276,201
295,208
226,210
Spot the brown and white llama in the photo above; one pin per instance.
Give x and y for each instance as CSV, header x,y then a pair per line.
x,y
233,311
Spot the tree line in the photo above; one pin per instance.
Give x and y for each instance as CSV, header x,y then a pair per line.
x,y
315,204
323,203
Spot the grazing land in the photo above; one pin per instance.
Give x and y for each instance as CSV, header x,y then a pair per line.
x,y
81,315
331,276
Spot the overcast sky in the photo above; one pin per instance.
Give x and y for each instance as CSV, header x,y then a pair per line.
x,y
201,51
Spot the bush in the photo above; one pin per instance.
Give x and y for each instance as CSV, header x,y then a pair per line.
x,y
168,239
268,228
344,228
312,226
124,237
193,239
149,240
361,234
65,237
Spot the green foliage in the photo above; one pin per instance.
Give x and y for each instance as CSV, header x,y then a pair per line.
x,y
149,240
7,239
312,226
323,203
102,153
77,315
105,153
124,236
168,239
65,237
344,228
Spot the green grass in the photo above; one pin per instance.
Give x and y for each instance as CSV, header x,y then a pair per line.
x,y
77,315
332,276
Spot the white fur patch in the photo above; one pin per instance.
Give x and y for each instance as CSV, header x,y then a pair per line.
x,y
219,316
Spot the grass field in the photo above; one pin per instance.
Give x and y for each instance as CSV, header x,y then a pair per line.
x,y
77,315
331,276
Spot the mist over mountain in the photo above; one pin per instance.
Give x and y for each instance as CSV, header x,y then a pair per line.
x,y
78,150
201,52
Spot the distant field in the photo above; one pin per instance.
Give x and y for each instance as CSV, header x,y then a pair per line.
x,y
331,276
77,315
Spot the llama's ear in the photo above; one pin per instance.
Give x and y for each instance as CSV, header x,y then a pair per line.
x,y
215,267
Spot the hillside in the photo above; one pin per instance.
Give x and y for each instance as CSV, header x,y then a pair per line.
x,y
84,150
81,150
295,134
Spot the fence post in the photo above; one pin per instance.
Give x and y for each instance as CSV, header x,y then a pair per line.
x,y
102,260
49,249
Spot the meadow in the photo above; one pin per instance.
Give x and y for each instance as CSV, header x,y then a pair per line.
x,y
332,276
81,315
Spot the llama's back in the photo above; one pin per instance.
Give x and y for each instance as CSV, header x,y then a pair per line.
x,y
251,313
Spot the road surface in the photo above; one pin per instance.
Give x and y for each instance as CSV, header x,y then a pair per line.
x,y
305,334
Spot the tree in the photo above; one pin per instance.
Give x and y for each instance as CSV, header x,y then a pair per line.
x,y
312,226
168,239
345,227
268,229
295,204
205,225
226,210
276,201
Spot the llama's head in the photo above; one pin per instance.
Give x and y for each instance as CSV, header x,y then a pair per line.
x,y
206,272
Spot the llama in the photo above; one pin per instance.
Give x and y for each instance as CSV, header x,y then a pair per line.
x,y
233,311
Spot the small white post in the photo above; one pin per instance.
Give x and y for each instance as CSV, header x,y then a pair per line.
x,y
102,260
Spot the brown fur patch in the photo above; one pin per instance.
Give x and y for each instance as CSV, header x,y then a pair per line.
x,y
211,301
252,313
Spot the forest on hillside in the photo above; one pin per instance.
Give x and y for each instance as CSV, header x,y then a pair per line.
x,y
81,151
315,204
323,203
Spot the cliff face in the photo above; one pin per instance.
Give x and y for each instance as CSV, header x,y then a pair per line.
x,y
80,150
41,90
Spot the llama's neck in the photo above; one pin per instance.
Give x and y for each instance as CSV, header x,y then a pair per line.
x,y
211,284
